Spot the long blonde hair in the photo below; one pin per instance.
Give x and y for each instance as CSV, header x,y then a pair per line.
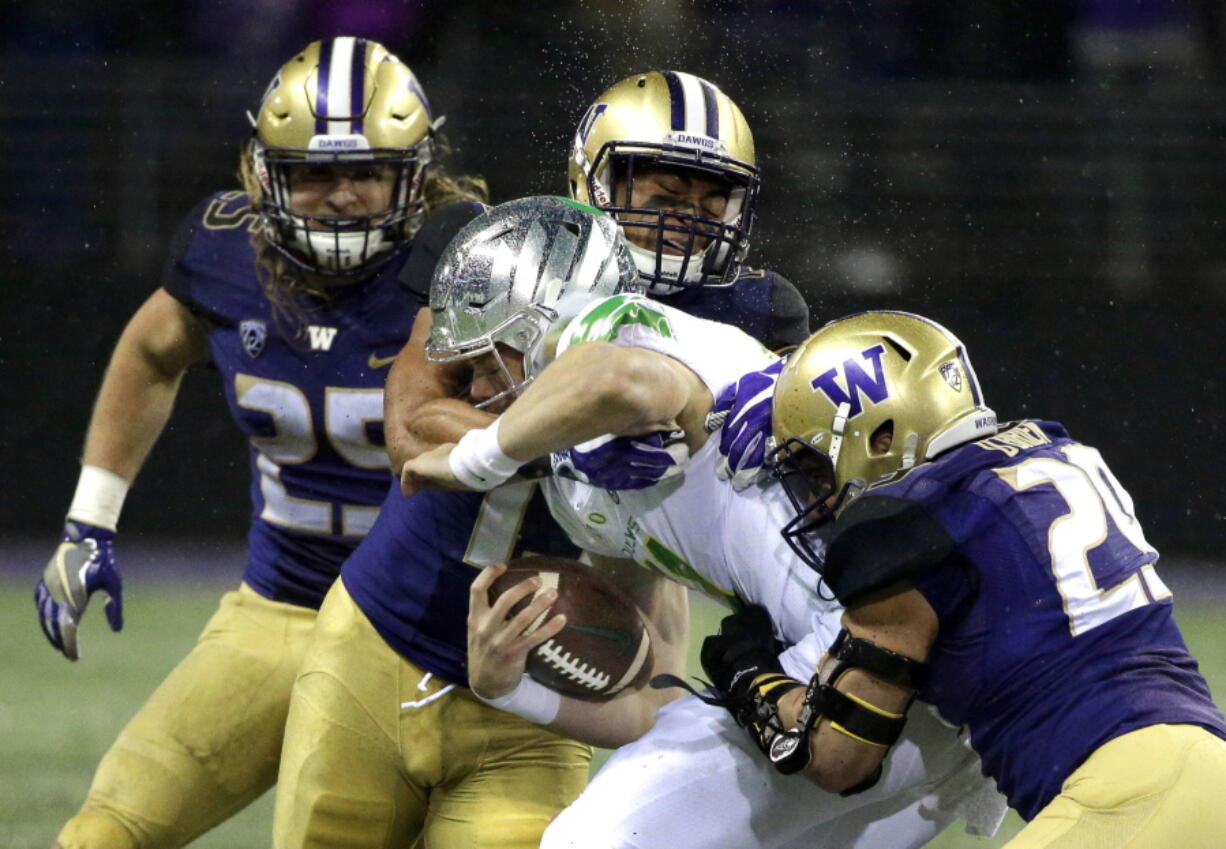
x,y
283,282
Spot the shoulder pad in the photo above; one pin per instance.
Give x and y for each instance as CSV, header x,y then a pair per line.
x,y
878,541
789,320
431,240
603,320
223,211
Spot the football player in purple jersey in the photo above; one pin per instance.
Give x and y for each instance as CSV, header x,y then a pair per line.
x,y
999,574
387,672
290,289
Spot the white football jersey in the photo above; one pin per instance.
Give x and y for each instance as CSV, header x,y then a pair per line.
x,y
694,528
705,535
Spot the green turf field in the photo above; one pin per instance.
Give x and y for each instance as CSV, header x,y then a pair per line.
x,y
56,718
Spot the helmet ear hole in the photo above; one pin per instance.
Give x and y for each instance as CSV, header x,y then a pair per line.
x,y
882,438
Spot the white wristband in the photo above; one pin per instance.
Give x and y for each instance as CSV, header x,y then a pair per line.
x,y
530,699
99,497
478,462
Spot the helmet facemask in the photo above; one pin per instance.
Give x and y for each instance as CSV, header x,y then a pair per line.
x,y
342,246
689,249
816,490
807,475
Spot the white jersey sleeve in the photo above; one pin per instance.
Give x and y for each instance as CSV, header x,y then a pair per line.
x,y
717,353
696,530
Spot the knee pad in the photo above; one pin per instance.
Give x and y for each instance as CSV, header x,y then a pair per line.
x,y
142,798
95,829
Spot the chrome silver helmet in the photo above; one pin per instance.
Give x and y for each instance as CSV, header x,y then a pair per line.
x,y
517,274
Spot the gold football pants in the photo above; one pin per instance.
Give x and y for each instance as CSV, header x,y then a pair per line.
x,y
1158,787
378,753
207,741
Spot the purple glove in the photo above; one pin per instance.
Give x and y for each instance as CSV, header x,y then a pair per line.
x,y
82,565
623,462
743,413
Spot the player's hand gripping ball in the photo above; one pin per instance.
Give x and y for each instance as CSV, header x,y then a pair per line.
x,y
604,647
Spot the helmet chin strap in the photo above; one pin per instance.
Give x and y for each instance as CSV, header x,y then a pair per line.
x,y
837,429
909,447
670,267
340,251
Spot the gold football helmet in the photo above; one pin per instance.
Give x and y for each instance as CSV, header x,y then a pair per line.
x,y
853,381
342,101
673,120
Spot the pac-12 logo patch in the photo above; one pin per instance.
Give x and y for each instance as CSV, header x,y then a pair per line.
x,y
858,381
253,333
952,375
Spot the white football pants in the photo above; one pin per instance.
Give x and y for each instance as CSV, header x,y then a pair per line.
x,y
696,781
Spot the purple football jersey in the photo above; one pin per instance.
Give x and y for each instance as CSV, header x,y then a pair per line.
x,y
311,401
1056,633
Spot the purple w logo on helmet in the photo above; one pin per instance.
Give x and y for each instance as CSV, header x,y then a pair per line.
x,y
858,381
589,120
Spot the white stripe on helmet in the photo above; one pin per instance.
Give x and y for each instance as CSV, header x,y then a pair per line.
x,y
340,84
695,104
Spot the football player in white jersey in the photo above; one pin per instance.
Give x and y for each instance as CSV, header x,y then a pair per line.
x,y
625,366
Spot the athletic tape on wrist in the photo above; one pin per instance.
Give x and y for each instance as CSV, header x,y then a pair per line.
x,y
530,699
99,497
478,462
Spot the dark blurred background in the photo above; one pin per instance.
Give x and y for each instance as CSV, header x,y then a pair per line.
x,y
1046,178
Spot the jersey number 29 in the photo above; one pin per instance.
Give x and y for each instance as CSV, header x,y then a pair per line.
x,y
1092,494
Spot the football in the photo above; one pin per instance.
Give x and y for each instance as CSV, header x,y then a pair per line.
x,y
604,647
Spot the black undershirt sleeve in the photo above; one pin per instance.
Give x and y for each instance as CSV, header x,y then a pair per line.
x,y
878,541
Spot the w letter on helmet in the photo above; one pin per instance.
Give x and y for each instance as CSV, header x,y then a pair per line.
x,y
857,380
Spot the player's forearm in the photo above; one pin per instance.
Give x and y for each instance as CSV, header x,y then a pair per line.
x,y
419,410
902,623
131,411
592,390
435,423
614,723
836,761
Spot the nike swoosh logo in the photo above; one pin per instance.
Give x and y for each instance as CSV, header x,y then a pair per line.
x,y
380,362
